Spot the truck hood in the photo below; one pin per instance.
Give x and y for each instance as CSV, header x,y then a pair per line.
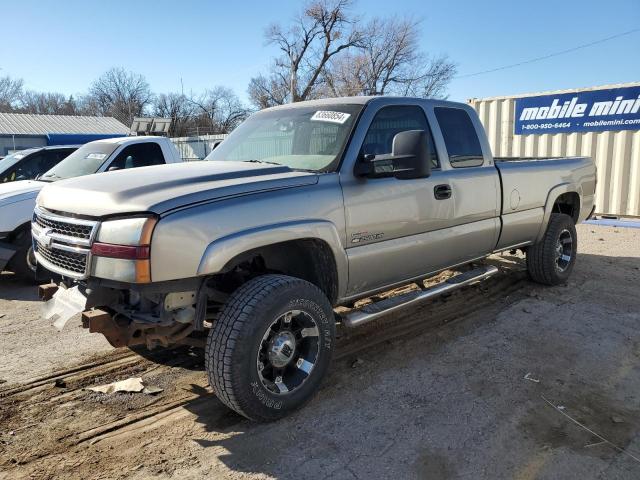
x,y
160,189
11,192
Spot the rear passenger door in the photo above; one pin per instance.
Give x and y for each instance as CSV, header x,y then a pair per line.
x,y
474,183
138,155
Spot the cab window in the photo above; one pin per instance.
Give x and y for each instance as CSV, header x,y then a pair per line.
x,y
392,120
30,167
460,137
138,155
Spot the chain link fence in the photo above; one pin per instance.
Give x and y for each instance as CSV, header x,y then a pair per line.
x,y
197,147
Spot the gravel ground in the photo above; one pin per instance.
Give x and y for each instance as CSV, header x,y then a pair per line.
x,y
516,381
31,346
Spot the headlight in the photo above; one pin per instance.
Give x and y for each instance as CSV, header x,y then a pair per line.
x,y
122,249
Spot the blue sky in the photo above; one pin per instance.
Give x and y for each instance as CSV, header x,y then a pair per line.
x,y
64,45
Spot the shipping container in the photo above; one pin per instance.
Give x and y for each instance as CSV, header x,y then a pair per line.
x,y
615,152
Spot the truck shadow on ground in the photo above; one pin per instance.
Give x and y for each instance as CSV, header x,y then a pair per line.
x,y
402,412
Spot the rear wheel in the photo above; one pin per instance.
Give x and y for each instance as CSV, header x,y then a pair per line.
x,y
551,260
268,351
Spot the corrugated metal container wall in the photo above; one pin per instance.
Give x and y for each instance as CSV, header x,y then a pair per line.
x,y
616,153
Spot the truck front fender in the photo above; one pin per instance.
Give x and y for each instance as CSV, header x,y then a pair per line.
x,y
552,196
221,251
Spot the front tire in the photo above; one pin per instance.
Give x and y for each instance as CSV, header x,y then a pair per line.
x,y
23,264
551,260
269,350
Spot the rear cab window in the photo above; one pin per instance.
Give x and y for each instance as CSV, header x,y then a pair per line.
x,y
460,137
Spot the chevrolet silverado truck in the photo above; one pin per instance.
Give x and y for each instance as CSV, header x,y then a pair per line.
x,y
302,209
18,198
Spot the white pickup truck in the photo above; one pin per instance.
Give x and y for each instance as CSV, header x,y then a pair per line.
x,y
18,199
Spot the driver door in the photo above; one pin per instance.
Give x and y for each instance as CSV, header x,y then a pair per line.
x,y
392,225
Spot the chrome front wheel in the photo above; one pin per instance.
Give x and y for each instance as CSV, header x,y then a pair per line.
x,y
288,352
271,346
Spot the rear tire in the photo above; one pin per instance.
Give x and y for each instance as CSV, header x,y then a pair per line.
x,y
269,350
551,260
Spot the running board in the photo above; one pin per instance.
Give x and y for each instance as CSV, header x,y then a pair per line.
x,y
376,310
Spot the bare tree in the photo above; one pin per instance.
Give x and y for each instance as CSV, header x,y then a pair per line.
x,y
328,51
47,103
389,61
219,110
120,94
267,92
179,109
10,93
124,95
434,78
323,30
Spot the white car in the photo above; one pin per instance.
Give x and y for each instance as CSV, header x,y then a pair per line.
x,y
18,199
29,164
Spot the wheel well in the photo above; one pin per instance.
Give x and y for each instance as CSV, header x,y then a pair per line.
x,y
26,227
569,204
309,259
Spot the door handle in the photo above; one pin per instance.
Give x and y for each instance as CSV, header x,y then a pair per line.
x,y
442,192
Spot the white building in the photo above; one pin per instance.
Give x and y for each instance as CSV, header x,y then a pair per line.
x,y
19,130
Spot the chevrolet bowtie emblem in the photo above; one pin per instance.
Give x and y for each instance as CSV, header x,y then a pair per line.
x,y
43,237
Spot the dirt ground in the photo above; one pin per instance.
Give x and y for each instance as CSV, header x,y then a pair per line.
x,y
506,379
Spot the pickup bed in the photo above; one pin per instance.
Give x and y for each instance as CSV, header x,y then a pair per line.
x,y
303,208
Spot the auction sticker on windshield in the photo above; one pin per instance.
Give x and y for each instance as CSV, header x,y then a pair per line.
x,y
328,116
96,156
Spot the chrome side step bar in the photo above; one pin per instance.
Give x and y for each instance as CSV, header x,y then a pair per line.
x,y
376,310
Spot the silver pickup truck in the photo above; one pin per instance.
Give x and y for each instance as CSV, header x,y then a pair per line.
x,y
303,208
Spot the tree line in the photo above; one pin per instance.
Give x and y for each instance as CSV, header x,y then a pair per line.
x,y
326,50
124,95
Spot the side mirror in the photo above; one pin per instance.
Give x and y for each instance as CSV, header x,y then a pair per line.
x,y
411,154
113,169
410,158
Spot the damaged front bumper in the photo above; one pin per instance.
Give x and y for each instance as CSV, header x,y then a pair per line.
x,y
156,317
62,303
121,332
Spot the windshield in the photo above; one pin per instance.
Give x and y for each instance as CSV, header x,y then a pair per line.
x,y
86,160
303,138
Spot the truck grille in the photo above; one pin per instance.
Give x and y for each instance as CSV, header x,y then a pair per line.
x,y
64,228
62,244
65,261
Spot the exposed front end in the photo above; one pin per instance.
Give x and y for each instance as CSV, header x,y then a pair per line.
x,y
106,264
